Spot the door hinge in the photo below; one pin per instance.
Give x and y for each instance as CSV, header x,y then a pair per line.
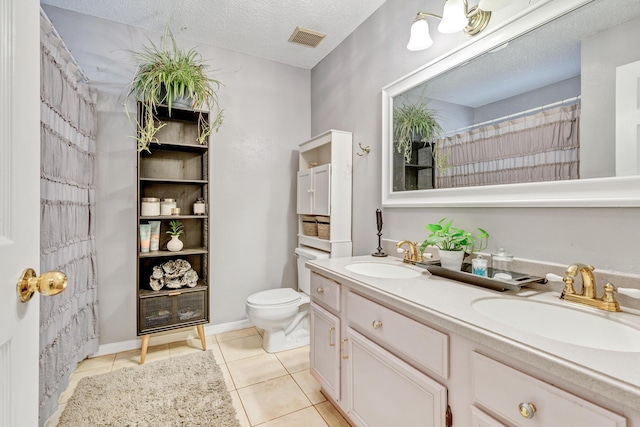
x,y
449,417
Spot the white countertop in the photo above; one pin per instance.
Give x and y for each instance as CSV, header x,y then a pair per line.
x,y
448,304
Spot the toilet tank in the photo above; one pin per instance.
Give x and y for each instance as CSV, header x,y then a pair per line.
x,y
305,254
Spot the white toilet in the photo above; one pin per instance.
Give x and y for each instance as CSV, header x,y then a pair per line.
x,y
283,313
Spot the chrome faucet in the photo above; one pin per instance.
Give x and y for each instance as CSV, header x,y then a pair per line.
x,y
411,255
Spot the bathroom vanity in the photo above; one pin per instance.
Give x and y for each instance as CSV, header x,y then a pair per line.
x,y
414,351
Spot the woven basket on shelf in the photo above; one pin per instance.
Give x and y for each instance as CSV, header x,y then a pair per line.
x,y
324,227
309,225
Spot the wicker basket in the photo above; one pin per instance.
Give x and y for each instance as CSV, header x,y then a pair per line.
x,y
309,225
324,227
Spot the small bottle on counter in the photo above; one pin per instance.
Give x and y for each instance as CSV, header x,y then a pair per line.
x,y
199,206
479,266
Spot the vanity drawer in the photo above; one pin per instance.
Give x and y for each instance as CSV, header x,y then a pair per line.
x,y
326,291
419,343
503,390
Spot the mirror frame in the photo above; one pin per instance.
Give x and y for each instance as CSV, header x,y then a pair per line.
x,y
594,192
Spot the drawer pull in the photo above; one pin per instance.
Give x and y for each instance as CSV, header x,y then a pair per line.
x,y
377,324
173,294
331,343
320,290
527,410
344,356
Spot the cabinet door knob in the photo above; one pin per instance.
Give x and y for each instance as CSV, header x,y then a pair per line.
x,y
377,324
342,343
527,410
319,290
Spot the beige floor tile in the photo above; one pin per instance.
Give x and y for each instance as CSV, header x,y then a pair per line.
x,y
55,417
132,357
76,377
309,385
295,360
96,362
307,417
217,354
182,348
272,399
240,413
242,348
253,370
227,377
331,415
234,335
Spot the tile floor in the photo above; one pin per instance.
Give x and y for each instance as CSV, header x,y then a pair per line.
x,y
268,390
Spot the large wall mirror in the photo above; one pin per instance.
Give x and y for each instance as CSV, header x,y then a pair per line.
x,y
542,111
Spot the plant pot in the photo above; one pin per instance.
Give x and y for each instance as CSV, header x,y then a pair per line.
x,y
184,103
175,244
451,259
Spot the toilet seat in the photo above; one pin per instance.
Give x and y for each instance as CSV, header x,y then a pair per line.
x,y
275,298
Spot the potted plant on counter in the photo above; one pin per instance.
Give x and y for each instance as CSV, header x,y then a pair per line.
x,y
175,230
168,75
453,243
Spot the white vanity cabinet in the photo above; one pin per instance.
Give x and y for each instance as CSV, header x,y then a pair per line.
x,y
382,390
326,343
527,401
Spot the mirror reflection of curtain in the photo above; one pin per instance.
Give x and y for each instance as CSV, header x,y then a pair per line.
x,y
534,148
68,119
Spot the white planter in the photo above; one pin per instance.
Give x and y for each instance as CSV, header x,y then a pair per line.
x,y
451,259
175,244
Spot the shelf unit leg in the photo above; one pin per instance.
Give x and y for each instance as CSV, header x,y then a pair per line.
x,y
203,339
145,346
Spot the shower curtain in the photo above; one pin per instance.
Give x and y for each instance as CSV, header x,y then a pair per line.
x,y
68,321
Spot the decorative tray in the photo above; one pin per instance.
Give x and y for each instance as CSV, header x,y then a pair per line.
x,y
517,281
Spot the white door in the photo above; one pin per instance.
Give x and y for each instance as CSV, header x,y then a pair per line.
x,y
322,190
305,192
19,208
325,350
628,119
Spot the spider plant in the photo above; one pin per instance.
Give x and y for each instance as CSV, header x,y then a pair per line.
x,y
414,120
165,73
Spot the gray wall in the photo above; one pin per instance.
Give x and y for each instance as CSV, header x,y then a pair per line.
x,y
345,94
601,54
253,164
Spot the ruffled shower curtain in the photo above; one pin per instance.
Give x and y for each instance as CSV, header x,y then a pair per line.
x,y
538,147
68,321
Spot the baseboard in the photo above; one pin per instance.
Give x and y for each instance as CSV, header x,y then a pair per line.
x,y
169,337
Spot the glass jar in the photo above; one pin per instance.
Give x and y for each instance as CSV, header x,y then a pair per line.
x,y
166,205
501,264
149,206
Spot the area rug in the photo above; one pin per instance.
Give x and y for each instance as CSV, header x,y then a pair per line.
x,y
181,391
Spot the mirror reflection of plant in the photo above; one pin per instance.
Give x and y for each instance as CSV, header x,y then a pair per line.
x,y
166,72
175,228
416,119
445,237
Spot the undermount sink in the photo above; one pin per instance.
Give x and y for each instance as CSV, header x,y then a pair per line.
x,y
560,323
382,271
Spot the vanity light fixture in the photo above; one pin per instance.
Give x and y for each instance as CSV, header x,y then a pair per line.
x,y
456,16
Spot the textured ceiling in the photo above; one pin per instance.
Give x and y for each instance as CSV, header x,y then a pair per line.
x,y
254,27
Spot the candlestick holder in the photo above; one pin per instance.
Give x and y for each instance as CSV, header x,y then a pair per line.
x,y
379,253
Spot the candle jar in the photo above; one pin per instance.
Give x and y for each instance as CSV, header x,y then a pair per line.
x,y
199,207
166,205
149,206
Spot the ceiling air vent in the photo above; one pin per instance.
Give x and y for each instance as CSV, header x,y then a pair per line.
x,y
306,37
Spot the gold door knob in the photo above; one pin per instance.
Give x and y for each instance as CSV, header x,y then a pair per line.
x,y
50,283
527,410
377,324
319,290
